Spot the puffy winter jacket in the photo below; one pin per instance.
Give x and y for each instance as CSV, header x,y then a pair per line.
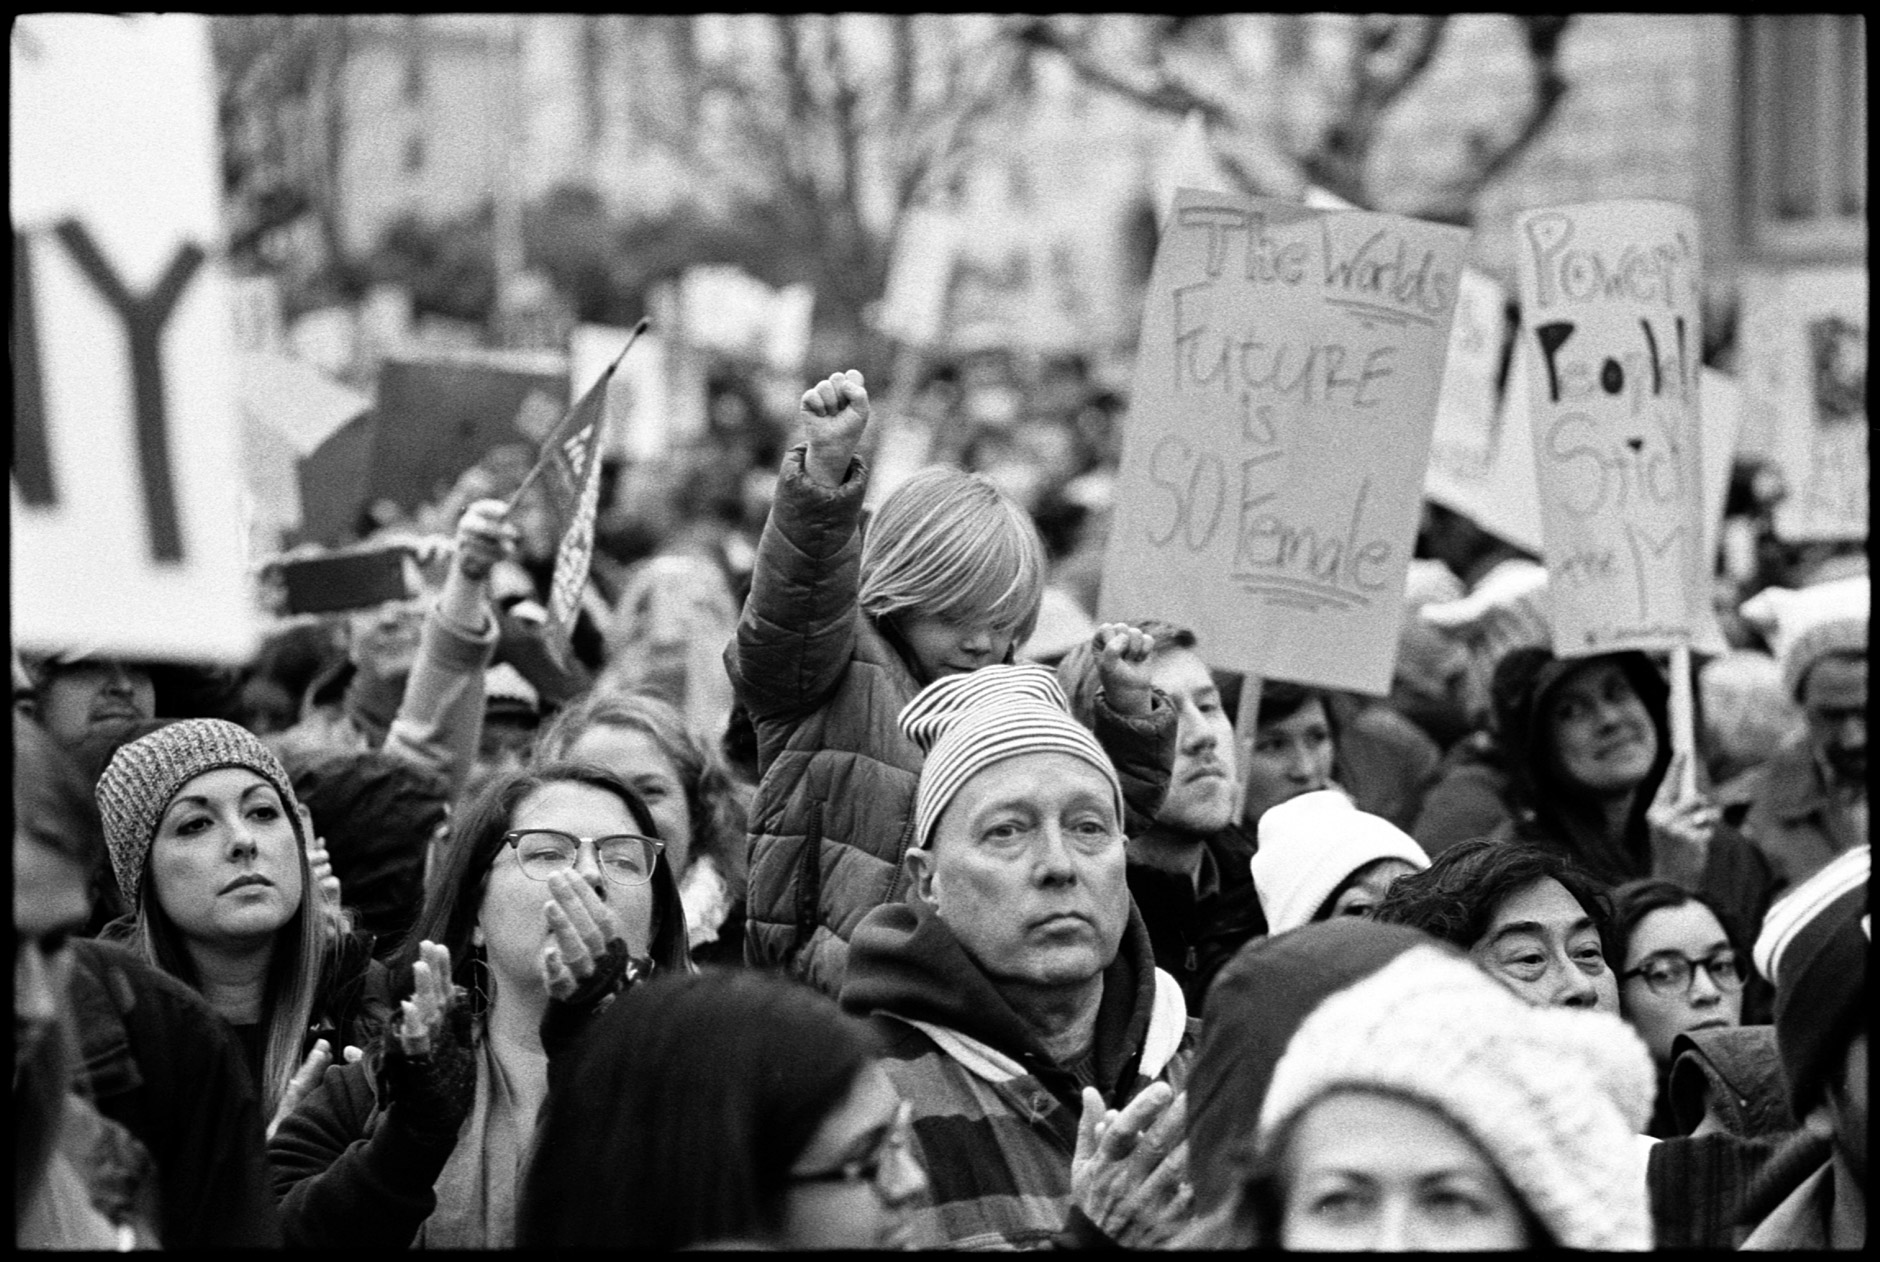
x,y
824,686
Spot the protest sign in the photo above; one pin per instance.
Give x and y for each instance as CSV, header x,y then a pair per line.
x,y
126,497
1610,331
636,394
288,409
727,310
1190,164
1806,378
1278,432
1722,401
255,302
438,415
920,275
1481,461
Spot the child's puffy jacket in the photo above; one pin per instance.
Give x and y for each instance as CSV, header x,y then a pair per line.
x,y
824,687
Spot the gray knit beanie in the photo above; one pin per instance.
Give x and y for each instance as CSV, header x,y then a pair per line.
x,y
142,778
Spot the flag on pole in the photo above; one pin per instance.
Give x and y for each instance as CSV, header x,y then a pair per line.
x,y
569,468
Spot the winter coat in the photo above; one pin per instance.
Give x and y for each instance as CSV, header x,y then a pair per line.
x,y
1468,797
1554,815
824,686
1785,809
157,1060
995,1119
1699,1185
1193,936
1791,1201
439,719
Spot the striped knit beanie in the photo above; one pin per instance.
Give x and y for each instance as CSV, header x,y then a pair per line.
x,y
965,723
142,778
1813,950
1555,1097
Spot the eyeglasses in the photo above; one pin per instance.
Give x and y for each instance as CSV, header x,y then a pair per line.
x,y
1671,972
867,1169
625,858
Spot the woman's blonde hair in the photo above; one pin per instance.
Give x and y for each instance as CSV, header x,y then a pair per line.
x,y
949,544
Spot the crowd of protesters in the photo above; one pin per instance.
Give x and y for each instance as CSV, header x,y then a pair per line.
x,y
846,884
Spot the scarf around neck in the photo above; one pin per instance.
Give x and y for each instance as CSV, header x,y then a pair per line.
x,y
476,1191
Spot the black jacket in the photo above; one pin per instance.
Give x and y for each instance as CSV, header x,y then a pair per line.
x,y
161,1063
1194,935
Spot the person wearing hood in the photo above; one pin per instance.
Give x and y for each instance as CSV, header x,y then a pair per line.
x,y
1017,987
1588,746
413,678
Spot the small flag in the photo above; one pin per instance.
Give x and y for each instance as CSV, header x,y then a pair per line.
x,y
569,467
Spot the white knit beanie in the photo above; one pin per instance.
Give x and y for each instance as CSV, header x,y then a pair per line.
x,y
1806,625
1312,844
1555,1097
965,723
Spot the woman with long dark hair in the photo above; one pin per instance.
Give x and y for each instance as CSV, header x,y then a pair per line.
x,y
554,894
726,1108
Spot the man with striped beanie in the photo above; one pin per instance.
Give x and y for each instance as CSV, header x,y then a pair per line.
x,y
1015,990
1813,947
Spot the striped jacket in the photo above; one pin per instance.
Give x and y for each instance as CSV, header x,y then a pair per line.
x,y
995,1122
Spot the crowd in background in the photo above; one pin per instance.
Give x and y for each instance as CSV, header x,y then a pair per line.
x,y
847,883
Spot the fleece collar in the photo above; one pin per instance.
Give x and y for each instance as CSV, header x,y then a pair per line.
x,y
905,963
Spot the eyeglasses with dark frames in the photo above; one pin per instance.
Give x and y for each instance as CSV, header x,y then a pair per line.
x,y
624,858
1671,972
867,1169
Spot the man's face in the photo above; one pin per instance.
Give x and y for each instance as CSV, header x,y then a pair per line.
x,y
1834,701
383,640
1541,944
91,696
1027,869
1202,792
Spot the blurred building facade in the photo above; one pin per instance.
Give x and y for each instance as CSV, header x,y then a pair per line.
x,y
1757,121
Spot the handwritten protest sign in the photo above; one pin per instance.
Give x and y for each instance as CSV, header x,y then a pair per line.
x,y
1481,451
126,513
1609,296
1278,432
1806,378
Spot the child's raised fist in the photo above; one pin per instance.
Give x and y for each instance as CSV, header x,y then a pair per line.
x,y
835,412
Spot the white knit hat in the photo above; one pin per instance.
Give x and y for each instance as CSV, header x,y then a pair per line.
x,y
1806,625
966,723
1556,1097
1312,844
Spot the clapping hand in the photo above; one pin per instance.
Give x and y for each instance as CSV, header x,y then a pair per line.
x,y
311,1071
585,933
1130,1172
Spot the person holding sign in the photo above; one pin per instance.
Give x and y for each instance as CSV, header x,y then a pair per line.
x,y
839,633
1593,777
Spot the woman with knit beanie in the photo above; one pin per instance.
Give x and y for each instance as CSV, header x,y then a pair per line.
x,y
554,894
1424,1107
209,847
1320,856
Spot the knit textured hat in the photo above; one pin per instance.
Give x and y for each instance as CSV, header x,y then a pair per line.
x,y
1255,1004
1806,625
1312,844
965,723
142,778
1813,950
1555,1097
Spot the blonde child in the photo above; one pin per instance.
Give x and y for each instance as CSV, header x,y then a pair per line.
x,y
839,633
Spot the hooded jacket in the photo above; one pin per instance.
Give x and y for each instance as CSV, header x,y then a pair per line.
x,y
1553,813
824,686
995,1119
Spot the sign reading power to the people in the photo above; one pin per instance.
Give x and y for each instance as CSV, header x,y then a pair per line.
x,y
125,507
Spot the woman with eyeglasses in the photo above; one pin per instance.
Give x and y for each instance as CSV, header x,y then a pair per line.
x,y
725,1109
554,895
1682,970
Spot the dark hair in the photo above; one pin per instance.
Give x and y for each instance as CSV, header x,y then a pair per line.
x,y
1456,896
676,1116
1635,900
1077,669
476,841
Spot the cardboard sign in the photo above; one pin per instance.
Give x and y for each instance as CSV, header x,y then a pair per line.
x,y
438,416
1481,458
1610,331
1278,433
1722,402
126,494
636,397
920,275
1806,373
